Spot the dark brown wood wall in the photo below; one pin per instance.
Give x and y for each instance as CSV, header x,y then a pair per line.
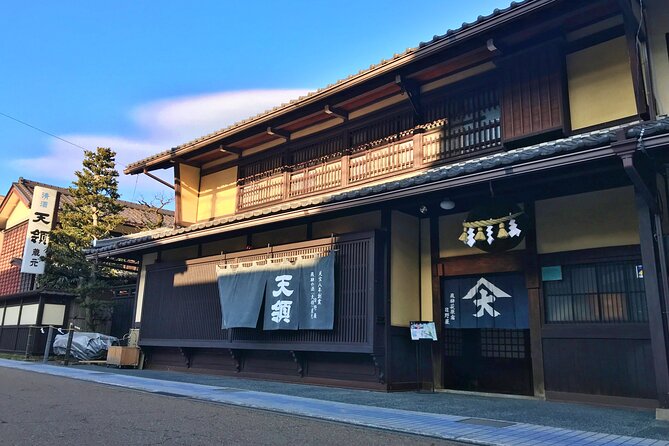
x,y
609,359
181,304
533,100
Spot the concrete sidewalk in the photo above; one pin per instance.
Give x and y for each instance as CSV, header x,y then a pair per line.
x,y
479,420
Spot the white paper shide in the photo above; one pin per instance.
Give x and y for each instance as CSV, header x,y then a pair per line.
x,y
40,222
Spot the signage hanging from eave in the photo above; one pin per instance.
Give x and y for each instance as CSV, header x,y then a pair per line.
x,y
41,220
298,295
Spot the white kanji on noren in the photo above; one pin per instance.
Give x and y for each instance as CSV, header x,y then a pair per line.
x,y
283,282
281,311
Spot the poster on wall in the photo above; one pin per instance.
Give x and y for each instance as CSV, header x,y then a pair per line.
x,y
41,220
422,330
486,301
297,294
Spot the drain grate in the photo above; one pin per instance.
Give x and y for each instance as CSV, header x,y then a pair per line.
x,y
484,422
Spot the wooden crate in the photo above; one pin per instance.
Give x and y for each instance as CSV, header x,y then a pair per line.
x,y
123,356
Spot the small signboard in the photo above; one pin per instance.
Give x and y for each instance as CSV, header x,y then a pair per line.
x,y
422,330
551,273
639,271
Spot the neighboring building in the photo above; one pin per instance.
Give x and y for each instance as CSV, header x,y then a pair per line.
x,y
21,304
547,117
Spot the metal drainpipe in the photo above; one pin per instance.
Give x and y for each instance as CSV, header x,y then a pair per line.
x,y
627,158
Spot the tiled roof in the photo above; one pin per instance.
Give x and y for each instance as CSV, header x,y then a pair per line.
x,y
134,214
408,54
590,140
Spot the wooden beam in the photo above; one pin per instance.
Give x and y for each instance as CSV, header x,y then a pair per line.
x,y
160,180
412,90
181,161
233,150
278,133
336,112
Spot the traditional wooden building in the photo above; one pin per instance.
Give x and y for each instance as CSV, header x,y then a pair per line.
x,y
22,303
506,180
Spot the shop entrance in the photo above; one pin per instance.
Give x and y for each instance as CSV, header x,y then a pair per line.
x,y
486,333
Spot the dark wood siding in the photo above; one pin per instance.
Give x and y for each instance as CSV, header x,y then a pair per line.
x,y
615,367
532,94
181,304
595,334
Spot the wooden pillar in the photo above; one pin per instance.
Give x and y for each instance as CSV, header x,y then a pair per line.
x,y
418,148
655,295
631,29
138,282
386,225
533,282
177,196
437,310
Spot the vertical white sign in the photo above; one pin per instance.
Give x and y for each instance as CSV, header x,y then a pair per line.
x,y
40,222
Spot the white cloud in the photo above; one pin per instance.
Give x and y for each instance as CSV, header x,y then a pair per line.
x,y
161,125
183,119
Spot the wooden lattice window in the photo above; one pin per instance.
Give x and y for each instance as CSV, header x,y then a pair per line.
x,y
596,293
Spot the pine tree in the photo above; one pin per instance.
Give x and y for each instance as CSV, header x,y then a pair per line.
x,y
92,212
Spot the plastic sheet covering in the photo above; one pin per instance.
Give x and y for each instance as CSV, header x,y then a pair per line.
x,y
85,346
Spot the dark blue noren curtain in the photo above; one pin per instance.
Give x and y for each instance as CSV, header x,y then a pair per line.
x,y
486,301
318,282
241,291
282,297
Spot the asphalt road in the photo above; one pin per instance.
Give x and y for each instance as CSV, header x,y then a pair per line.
x,y
38,409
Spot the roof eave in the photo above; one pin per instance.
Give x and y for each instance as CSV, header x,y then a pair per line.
x,y
411,56
476,177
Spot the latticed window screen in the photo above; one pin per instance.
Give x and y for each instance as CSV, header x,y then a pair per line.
x,y
472,121
453,342
499,343
596,293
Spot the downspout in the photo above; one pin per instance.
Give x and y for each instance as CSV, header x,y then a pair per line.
x,y
626,150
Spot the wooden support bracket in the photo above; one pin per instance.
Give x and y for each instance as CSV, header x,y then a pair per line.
x,y
298,360
412,89
186,355
336,112
236,358
160,180
233,150
278,133
378,364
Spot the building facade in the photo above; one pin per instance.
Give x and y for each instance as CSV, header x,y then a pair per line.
x,y
23,304
506,180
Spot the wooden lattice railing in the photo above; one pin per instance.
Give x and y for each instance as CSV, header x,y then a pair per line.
x,y
431,144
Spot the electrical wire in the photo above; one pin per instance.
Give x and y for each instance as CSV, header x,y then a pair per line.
x,y
43,131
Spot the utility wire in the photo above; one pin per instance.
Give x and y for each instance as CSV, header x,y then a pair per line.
x,y
43,131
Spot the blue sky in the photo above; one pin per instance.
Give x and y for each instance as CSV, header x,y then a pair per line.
x,y
143,76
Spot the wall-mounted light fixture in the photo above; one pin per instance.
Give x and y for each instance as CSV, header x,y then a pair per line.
x,y
16,262
447,204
